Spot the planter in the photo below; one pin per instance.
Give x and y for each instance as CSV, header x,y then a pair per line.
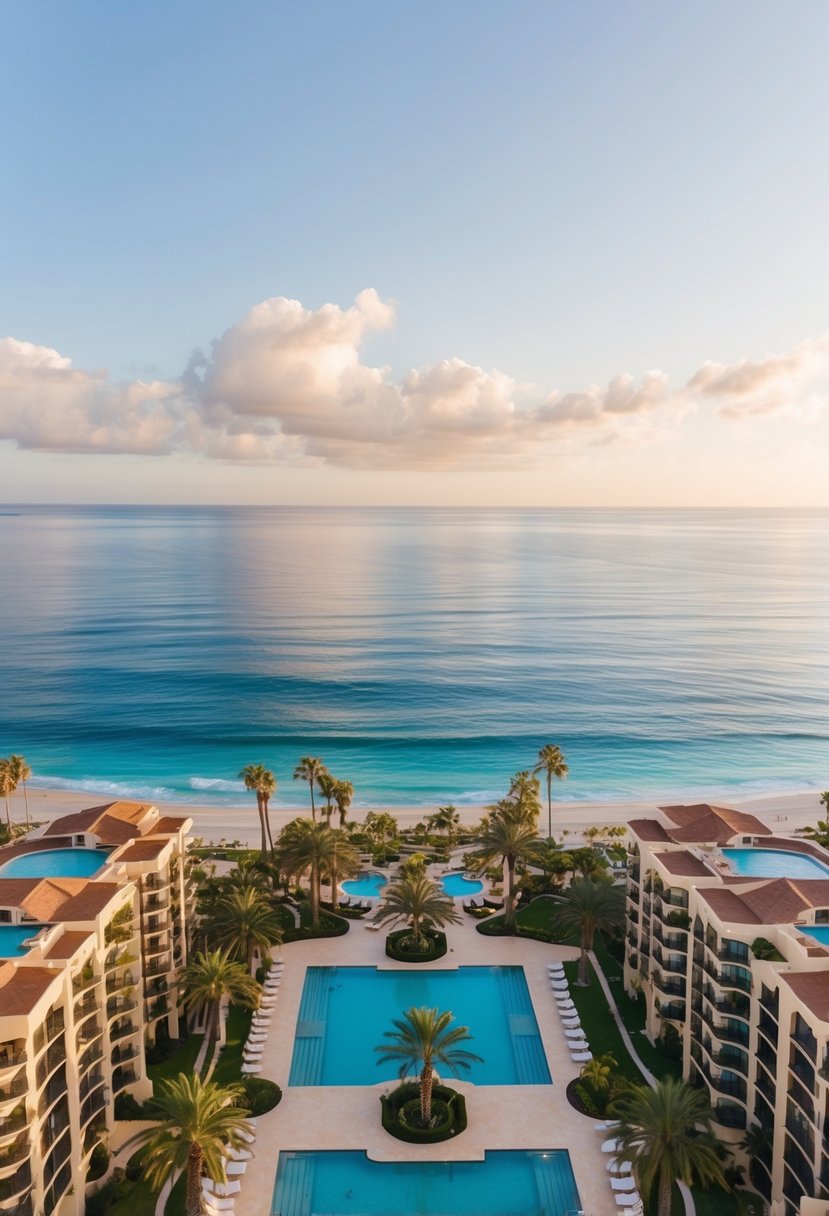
x,y
401,1109
433,939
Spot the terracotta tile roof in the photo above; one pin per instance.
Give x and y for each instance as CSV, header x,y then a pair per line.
x,y
142,850
114,823
812,988
778,901
70,941
168,824
683,863
649,829
729,906
64,899
702,823
22,987
14,890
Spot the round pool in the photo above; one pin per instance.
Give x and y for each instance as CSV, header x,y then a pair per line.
x,y
368,885
459,886
55,863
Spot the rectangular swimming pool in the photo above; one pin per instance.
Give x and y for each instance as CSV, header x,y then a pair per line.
x,y
348,1184
345,1012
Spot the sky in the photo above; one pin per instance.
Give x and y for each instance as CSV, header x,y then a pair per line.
x,y
432,253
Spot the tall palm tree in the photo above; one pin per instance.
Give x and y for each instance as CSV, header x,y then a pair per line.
x,y
260,779
310,769
381,827
339,859
445,821
665,1132
525,794
211,976
343,797
198,1121
305,848
551,762
422,1037
587,906
327,786
507,837
243,922
7,787
419,900
21,772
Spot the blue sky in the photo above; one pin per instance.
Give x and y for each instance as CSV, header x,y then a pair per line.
x,y
553,195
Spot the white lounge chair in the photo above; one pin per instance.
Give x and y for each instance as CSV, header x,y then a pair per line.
x,y
606,1125
246,1068
563,1006
581,1057
235,1167
617,1166
238,1154
248,1137
611,1146
556,968
217,1201
220,1190
578,1049
570,1021
625,1183
631,1200
574,1032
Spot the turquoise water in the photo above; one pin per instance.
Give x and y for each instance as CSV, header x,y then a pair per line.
x,y
774,863
55,863
425,655
12,938
503,1184
345,1012
819,932
366,886
457,885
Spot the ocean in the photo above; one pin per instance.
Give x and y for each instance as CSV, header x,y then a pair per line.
x,y
425,655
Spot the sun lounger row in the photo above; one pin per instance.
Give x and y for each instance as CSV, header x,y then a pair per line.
x,y
577,1043
358,905
469,905
260,1023
622,1182
219,1197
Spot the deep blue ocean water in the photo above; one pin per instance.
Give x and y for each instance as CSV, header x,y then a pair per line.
x,y
424,654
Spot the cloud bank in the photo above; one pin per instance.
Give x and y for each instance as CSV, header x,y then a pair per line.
x,y
287,384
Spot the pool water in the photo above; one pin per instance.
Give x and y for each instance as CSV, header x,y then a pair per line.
x,y
774,863
367,886
819,932
55,863
12,938
349,1184
345,1012
458,885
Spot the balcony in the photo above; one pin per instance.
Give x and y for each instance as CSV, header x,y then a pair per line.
x,y
94,1104
673,1011
84,1008
670,987
728,1032
734,952
19,1150
88,1033
90,1081
770,1001
766,1086
154,903
51,1060
160,966
806,1041
768,1026
13,1058
54,1090
122,1077
768,1056
121,1055
83,980
803,1070
120,979
118,957
158,1009
50,1029
120,1030
801,1096
155,882
61,1184
729,1116
91,1056
157,944
13,1122
14,1089
15,1187
118,1006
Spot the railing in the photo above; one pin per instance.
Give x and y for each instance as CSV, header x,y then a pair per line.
x,y
159,967
806,1042
670,987
734,952
50,1029
768,1056
84,1008
15,1121
13,1059
121,1055
125,979
122,1077
59,1186
119,1030
17,1151
799,1094
89,1082
54,1090
158,1009
90,1057
47,1064
802,1069
155,903
19,1182
95,1103
728,1116
116,1006
729,1034
766,1086
83,980
800,1129
88,1032
674,1011
770,1002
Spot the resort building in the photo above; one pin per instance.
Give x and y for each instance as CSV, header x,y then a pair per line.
x,y
93,924
728,939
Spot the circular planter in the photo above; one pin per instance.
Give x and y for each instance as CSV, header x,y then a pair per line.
x,y
401,1111
434,939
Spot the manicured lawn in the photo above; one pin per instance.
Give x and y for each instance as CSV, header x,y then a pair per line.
x,y
229,1066
602,1032
183,1060
536,919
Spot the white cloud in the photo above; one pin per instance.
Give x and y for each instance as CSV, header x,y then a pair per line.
x,y
287,384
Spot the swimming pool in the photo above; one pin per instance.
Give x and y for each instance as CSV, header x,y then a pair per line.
x,y
819,932
458,885
55,863
345,1011
367,886
12,938
503,1184
774,863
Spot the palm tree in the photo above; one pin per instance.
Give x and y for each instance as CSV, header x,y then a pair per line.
x,y
310,769
305,847
551,762
419,900
339,860
381,827
598,1072
327,786
21,772
422,1037
257,777
7,787
525,794
343,797
445,820
509,838
665,1132
199,1120
244,922
820,833
587,906
208,978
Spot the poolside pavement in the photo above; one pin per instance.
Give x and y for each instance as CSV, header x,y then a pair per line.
x,y
348,1117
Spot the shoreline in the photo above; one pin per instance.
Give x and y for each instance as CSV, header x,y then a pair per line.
x,y
783,813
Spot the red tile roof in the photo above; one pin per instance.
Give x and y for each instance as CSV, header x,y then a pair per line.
x,y
114,823
684,864
811,988
22,987
649,829
143,850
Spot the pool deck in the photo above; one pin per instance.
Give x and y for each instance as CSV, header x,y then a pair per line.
x,y
500,1116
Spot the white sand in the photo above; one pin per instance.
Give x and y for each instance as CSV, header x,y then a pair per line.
x,y
782,813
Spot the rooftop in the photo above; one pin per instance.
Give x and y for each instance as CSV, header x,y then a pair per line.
x,y
683,863
22,987
812,988
776,901
701,823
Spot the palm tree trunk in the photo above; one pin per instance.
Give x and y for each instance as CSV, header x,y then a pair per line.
x,y
334,885
665,1181
313,807
586,945
416,928
263,844
265,805
426,1079
193,1201
315,896
509,894
549,805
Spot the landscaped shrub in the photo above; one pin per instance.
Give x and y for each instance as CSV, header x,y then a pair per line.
x,y
433,939
163,1047
261,1095
448,1109
329,926
126,1107
98,1162
116,1188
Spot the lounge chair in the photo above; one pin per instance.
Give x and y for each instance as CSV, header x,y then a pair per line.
x,y
238,1154
626,1183
616,1166
219,1202
611,1146
606,1125
574,1032
555,968
235,1167
220,1190
581,1057
631,1200
251,1067
250,1138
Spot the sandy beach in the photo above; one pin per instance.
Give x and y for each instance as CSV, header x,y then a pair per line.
x,y
783,813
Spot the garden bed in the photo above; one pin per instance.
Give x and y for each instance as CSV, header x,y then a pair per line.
x,y
448,1110
433,939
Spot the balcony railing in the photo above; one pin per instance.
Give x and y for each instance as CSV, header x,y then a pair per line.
x,y
19,1150
121,1055
119,1030
122,1077
121,979
117,1006
13,1059
50,1029
16,1185
94,1104
83,980
13,1122
728,1116
88,1032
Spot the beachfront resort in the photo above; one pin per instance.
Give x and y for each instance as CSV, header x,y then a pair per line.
x,y
582,984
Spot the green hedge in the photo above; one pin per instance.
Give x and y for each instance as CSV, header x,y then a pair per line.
x,y
261,1095
391,1103
435,937
329,926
